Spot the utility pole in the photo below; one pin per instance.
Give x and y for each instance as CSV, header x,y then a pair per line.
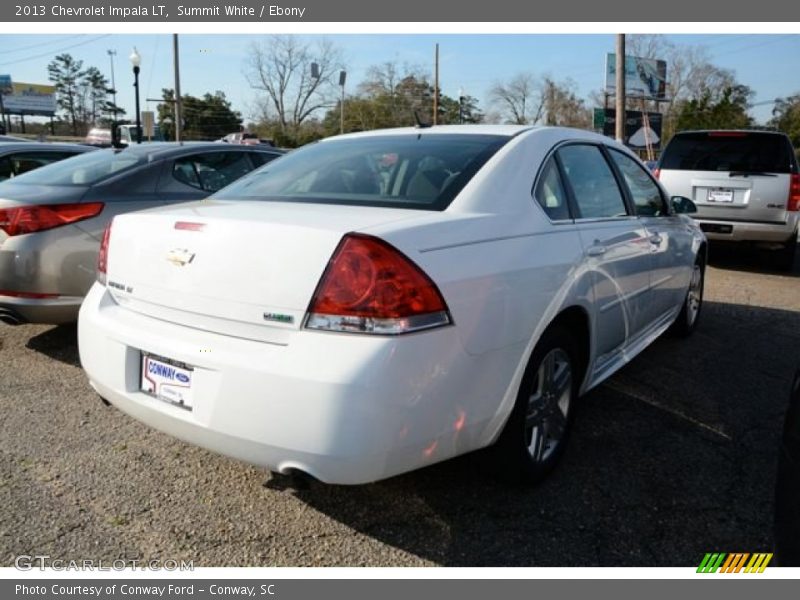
x,y
178,106
620,89
436,87
111,55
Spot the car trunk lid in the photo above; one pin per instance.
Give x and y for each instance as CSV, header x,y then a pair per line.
x,y
247,269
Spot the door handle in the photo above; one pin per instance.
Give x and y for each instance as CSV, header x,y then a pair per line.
x,y
596,250
656,239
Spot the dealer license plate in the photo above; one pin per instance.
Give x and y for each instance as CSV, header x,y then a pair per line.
x,y
167,380
720,195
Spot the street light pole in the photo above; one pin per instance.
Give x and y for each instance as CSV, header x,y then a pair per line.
x,y
342,78
178,107
136,60
620,89
111,55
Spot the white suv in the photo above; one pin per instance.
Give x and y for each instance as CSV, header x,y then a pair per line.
x,y
745,184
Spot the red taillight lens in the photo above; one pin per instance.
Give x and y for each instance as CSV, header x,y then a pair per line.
x,y
794,193
30,219
102,256
657,173
371,287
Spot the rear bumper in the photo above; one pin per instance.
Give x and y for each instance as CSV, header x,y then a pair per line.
x,y
747,231
55,311
345,409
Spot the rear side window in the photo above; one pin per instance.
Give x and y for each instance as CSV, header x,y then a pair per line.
x,y
262,158
594,186
728,151
211,171
22,162
550,192
419,170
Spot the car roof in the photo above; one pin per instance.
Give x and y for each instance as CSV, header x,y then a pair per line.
x,y
7,147
500,130
758,131
160,150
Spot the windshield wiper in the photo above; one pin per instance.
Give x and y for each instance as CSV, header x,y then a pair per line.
x,y
750,173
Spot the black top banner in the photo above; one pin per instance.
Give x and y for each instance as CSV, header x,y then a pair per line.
x,y
177,11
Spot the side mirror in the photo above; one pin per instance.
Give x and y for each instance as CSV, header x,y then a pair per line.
x,y
682,205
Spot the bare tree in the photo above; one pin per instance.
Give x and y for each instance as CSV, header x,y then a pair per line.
x,y
521,100
563,106
691,76
281,67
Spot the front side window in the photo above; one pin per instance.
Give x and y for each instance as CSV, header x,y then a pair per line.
x,y
593,184
550,192
645,193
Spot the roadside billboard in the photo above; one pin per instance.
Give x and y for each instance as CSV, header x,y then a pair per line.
x,y
644,77
31,99
636,133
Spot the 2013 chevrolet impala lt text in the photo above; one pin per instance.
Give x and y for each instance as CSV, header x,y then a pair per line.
x,y
377,302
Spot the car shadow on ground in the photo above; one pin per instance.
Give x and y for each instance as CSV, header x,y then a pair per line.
x,y
743,257
59,343
673,457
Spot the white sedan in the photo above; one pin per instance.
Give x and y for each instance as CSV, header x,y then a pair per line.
x,y
377,302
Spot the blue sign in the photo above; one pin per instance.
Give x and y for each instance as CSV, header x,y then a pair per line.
x,y
5,84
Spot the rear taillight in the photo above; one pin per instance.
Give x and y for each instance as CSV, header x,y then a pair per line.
x,y
371,287
30,219
794,193
657,173
102,256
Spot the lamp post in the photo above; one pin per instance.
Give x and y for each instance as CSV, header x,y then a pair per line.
x,y
111,55
136,61
342,79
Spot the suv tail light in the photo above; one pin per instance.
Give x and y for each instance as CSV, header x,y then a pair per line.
x,y
30,219
371,287
794,193
102,256
657,173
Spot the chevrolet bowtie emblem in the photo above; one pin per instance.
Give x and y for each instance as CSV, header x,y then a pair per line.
x,y
180,257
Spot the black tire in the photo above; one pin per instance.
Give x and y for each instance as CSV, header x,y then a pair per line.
x,y
784,258
513,453
688,318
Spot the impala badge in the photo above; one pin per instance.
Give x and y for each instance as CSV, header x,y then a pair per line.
x,y
180,257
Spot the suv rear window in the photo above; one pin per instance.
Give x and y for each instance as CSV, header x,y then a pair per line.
x,y
728,151
400,171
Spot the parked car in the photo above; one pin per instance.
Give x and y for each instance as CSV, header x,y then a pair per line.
x,y
19,158
52,219
244,137
745,184
377,302
787,490
98,136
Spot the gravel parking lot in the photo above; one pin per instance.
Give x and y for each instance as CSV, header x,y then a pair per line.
x,y
673,457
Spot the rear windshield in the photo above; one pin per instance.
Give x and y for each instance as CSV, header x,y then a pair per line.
x,y
728,151
399,171
84,169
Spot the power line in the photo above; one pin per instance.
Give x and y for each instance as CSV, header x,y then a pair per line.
x,y
42,44
50,53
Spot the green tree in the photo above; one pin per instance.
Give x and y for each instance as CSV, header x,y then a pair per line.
x,y
729,111
66,74
206,118
786,118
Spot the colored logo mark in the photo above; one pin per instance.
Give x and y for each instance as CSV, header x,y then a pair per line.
x,y
736,562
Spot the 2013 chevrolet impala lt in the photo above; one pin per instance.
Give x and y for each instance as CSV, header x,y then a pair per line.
x,y
377,302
